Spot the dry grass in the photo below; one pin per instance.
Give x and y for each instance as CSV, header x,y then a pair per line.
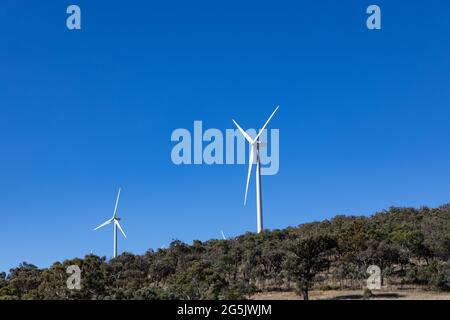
x,y
383,294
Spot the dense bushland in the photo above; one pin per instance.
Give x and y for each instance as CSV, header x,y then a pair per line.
x,y
411,246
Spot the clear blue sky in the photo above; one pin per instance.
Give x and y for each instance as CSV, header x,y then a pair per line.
x,y
363,118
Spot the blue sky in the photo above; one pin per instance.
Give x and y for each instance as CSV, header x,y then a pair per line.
x,y
363,117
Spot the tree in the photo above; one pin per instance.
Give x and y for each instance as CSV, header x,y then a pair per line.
x,y
307,258
2,280
53,283
199,281
23,282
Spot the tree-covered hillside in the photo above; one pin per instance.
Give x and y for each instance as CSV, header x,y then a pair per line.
x,y
411,246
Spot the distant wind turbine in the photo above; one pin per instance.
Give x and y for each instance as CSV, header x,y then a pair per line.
x,y
223,235
255,144
114,219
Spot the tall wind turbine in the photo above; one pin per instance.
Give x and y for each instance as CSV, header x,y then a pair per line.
x,y
255,144
114,219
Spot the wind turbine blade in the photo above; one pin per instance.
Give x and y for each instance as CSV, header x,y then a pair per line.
x,y
267,122
223,236
250,163
104,224
245,134
120,228
117,202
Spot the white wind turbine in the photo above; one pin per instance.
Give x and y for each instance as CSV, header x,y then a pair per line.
x,y
255,144
114,219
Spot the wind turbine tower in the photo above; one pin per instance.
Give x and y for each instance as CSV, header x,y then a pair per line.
x,y
114,219
255,150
